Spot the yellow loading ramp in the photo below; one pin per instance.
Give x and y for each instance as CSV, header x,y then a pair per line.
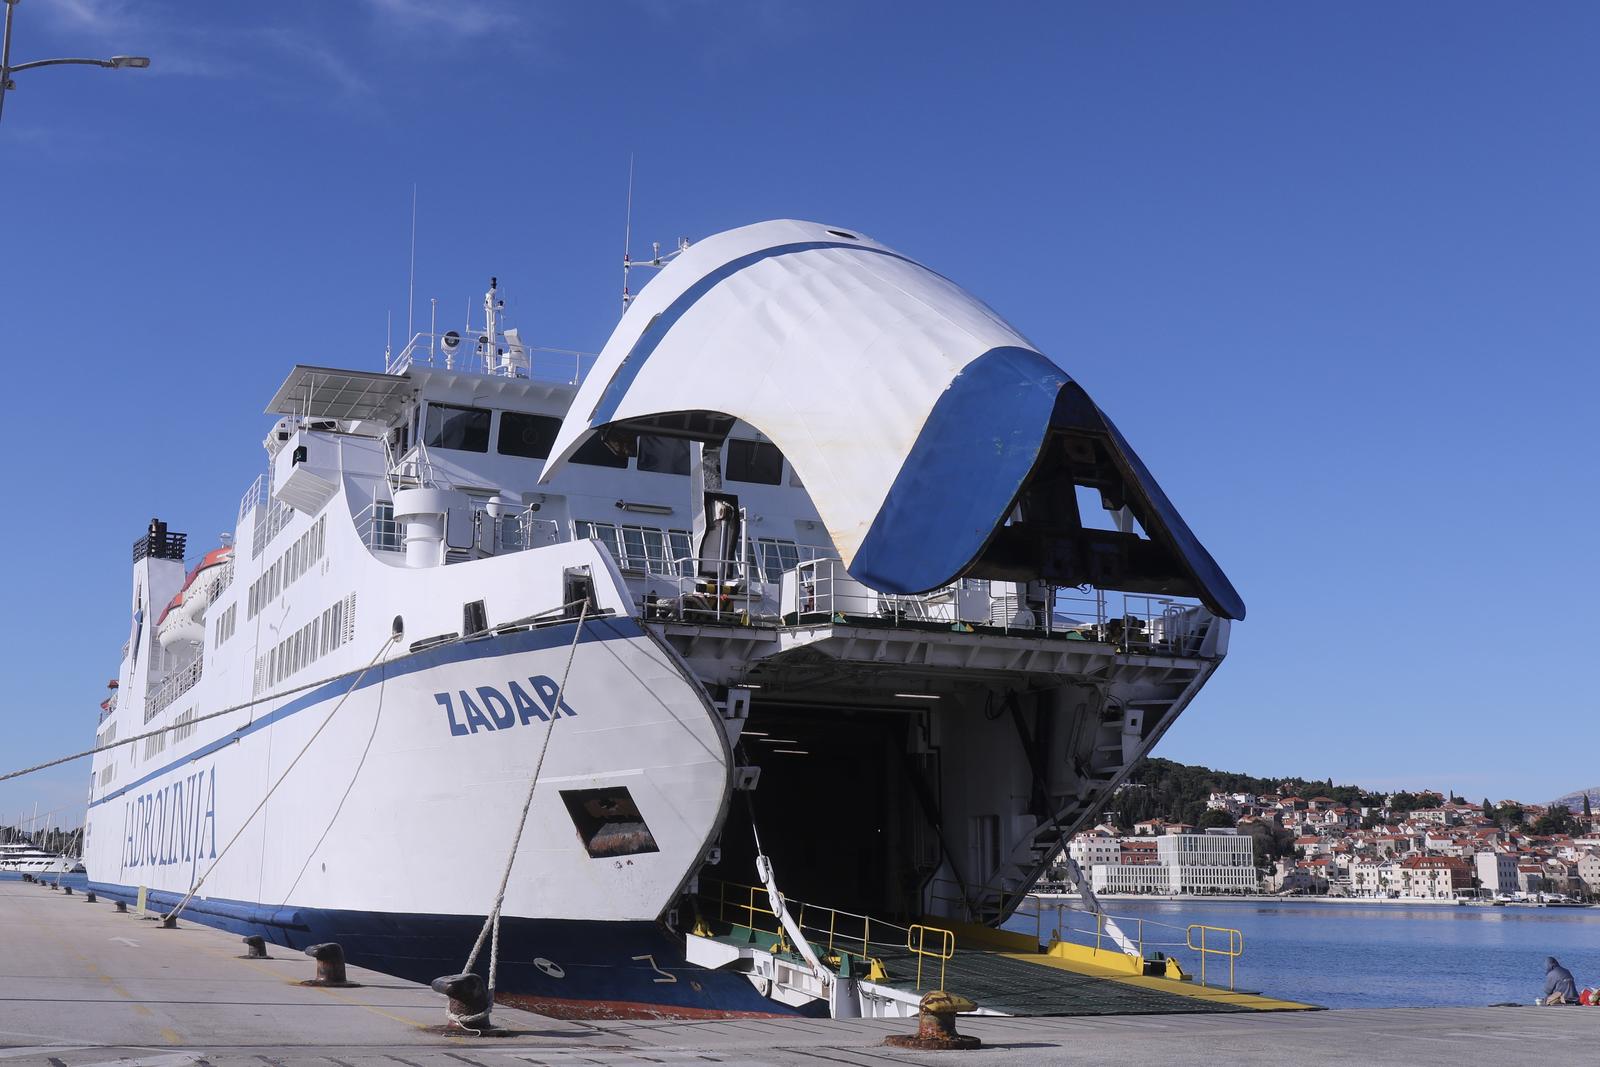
x,y
1003,972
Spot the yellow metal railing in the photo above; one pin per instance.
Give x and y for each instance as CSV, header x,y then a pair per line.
x,y
1235,949
1145,934
830,931
943,953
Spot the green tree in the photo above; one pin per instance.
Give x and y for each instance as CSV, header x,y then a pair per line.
x,y
1558,820
1214,818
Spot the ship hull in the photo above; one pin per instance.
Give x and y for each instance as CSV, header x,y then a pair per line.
x,y
567,969
378,812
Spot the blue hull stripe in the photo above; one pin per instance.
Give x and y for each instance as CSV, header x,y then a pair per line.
x,y
481,648
658,328
547,959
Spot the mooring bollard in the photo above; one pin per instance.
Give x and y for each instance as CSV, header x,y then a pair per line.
x,y
468,1007
330,965
258,948
67,889
122,907
169,922
88,895
936,1024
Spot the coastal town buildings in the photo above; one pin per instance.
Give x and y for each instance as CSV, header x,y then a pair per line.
x,y
1394,850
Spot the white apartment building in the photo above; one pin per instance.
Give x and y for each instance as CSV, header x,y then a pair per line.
x,y
1088,850
1497,872
1376,879
1185,863
1589,872
1206,850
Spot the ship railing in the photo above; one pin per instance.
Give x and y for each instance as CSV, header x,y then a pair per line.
x,y
513,530
377,527
921,949
271,520
173,686
253,497
745,591
537,362
1072,925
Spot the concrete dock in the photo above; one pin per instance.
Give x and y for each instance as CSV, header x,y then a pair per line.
x,y
81,984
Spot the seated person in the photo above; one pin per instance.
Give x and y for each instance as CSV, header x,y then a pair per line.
x,y
1558,985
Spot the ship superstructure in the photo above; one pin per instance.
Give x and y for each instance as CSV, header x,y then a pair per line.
x,y
818,560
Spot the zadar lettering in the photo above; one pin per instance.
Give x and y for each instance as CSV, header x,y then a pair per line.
x,y
174,824
467,711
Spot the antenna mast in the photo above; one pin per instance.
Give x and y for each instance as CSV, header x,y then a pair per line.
x,y
411,288
627,236
656,260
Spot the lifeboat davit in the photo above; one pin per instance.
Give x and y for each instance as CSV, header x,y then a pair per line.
x,y
183,619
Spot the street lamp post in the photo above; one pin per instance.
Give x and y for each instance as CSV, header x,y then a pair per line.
x,y
6,69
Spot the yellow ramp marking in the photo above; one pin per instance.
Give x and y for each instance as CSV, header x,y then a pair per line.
x,y
1193,990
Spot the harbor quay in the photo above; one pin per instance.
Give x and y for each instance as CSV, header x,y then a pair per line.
x,y
81,983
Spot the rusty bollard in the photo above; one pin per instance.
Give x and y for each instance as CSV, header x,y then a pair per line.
x,y
469,1005
257,948
330,965
936,1024
89,897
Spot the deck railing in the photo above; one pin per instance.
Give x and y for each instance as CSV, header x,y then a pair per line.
x,y
537,362
832,932
1088,928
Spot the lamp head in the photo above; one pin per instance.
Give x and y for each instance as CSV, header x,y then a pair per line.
x,y
130,62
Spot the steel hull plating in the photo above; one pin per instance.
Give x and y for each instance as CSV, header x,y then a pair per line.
x,y
402,766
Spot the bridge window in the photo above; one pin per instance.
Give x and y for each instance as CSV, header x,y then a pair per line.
x,y
754,461
594,453
777,556
528,436
608,822
664,455
460,428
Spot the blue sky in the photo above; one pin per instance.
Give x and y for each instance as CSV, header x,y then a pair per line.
x,y
1332,269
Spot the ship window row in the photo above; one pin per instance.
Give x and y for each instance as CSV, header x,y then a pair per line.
x,y
296,560
106,736
639,548
530,436
670,553
184,725
334,627
155,743
226,624
107,774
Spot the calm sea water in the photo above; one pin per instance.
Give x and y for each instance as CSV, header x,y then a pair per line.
x,y
1384,956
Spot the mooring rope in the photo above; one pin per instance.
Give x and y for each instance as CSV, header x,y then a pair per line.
x,y
169,916
265,698
491,922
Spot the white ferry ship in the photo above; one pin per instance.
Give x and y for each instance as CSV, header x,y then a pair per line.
x,y
817,527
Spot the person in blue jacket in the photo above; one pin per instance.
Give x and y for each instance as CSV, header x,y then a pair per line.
x,y
1559,988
